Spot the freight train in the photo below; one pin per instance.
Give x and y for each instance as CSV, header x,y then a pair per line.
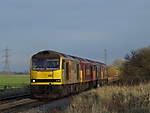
x,y
54,73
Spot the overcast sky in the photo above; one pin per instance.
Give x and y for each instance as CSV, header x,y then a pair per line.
x,y
79,27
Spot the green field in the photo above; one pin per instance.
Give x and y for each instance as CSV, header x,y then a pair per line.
x,y
13,81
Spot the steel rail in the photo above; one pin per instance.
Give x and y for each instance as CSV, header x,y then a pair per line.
x,y
14,97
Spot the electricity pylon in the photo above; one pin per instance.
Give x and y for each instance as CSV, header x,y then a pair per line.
x,y
6,60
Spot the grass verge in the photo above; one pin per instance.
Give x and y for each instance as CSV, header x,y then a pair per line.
x,y
107,99
112,99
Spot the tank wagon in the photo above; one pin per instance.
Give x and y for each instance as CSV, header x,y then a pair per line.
x,y
54,73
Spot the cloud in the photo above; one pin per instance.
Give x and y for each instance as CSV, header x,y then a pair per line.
x,y
78,27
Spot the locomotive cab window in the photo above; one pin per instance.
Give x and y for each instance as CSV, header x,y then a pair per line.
x,y
45,64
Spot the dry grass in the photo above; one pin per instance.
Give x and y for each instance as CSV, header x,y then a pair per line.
x,y
107,99
112,99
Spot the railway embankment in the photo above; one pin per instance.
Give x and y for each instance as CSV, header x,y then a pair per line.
x,y
112,99
107,99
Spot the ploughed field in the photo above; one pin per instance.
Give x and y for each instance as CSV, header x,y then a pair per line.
x,y
13,81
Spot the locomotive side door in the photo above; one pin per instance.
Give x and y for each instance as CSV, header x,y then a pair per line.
x,y
63,69
78,72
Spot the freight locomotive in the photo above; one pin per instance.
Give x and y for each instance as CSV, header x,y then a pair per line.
x,y
54,73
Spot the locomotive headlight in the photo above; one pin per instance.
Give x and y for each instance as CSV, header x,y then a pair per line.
x,y
58,80
33,81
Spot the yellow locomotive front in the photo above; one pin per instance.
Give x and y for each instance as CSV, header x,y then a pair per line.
x,y
46,69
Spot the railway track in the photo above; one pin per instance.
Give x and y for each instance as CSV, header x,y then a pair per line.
x,y
29,103
14,97
13,101
17,103
23,102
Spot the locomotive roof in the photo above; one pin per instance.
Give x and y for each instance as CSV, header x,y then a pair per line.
x,y
48,52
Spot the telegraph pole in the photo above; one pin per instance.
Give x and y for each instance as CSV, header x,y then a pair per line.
x,y
6,60
105,56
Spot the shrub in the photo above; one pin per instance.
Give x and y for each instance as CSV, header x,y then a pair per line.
x,y
137,65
